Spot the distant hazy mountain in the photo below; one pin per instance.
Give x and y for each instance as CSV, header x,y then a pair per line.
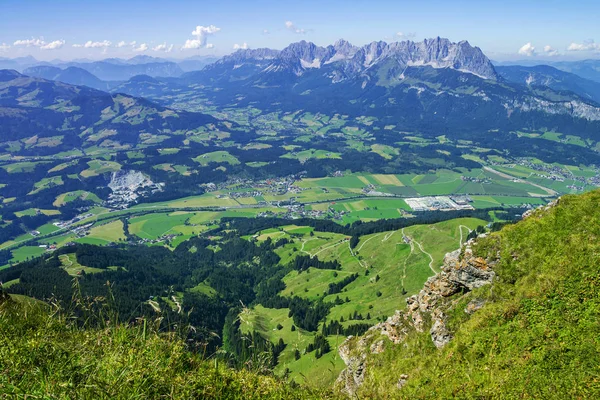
x,y
18,63
588,69
544,75
121,70
83,116
72,75
149,87
196,63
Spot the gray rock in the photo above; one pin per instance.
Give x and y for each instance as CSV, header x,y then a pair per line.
x,y
403,380
474,305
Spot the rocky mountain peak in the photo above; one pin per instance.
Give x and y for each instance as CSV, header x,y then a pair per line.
x,y
344,47
250,54
346,61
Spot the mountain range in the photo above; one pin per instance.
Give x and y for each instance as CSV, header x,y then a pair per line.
x,y
114,69
431,86
344,61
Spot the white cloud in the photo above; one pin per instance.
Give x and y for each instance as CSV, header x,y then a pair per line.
x,y
201,33
163,47
56,44
192,44
4,47
406,35
205,30
97,45
527,50
588,45
291,27
123,43
265,32
242,46
30,42
549,51
94,45
141,48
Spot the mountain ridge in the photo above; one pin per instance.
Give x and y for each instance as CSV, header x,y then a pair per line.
x,y
301,56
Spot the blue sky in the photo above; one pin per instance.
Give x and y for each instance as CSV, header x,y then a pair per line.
x,y
508,29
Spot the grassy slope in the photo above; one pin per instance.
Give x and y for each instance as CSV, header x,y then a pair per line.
x,y
399,265
45,357
538,335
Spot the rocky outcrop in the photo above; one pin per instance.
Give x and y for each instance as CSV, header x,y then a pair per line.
x,y
461,273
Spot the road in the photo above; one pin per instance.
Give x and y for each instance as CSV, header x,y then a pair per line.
x,y
507,176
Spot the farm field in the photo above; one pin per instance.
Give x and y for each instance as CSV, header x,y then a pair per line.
x,y
78,194
97,167
216,157
104,233
73,268
346,198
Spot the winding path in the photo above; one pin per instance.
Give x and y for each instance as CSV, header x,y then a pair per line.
x,y
426,253
422,250
365,242
461,233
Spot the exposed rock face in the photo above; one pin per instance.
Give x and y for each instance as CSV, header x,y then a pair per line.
x,y
437,53
128,186
459,274
127,180
354,374
474,305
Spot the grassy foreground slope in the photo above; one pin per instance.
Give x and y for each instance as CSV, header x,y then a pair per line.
x,y
538,336
44,356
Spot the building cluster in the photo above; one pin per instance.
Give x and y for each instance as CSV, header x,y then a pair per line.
x,y
559,173
475,179
67,224
240,188
439,203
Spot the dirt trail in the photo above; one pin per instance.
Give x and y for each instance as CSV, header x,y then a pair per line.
x,y
507,176
461,233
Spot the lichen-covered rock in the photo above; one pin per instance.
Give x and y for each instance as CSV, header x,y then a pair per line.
x,y
474,305
354,374
403,380
440,335
377,347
